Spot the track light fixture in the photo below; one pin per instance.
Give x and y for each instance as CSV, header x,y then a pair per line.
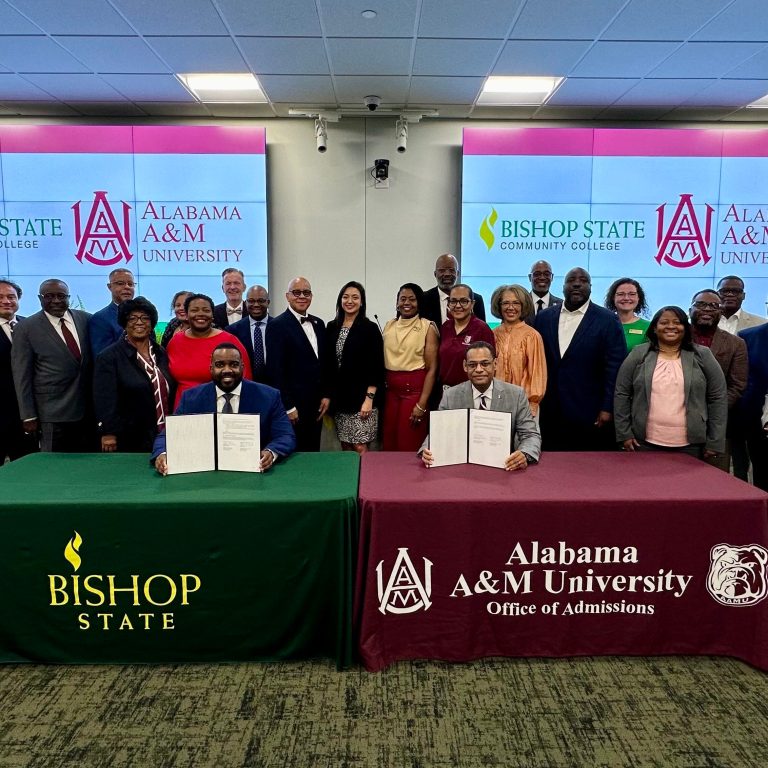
x,y
321,134
401,134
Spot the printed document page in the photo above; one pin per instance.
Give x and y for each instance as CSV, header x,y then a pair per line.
x,y
189,443
448,437
490,437
239,442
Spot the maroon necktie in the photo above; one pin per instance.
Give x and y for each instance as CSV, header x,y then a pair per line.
x,y
69,340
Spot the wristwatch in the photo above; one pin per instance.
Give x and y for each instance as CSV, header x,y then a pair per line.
x,y
528,458
370,395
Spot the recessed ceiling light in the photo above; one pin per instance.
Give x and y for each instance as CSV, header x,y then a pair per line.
x,y
523,91
223,88
761,103
369,14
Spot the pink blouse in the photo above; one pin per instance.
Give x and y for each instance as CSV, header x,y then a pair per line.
x,y
666,412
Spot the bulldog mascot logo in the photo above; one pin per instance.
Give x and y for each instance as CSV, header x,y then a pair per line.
x,y
738,575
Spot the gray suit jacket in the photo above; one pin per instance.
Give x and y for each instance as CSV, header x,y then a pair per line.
x,y
50,384
706,397
508,398
748,320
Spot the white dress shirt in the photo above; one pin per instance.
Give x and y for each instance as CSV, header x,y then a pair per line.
x,y
308,328
56,323
443,304
233,313
569,323
546,301
234,401
477,395
730,324
6,326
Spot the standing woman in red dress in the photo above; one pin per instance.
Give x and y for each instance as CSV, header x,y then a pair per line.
x,y
410,357
189,352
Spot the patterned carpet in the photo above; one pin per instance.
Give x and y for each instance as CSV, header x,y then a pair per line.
x,y
533,713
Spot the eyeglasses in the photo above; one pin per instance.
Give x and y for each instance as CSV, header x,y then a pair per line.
x,y
136,319
511,304
459,302
297,293
706,305
124,283
472,364
632,295
54,296
546,273
730,291
266,301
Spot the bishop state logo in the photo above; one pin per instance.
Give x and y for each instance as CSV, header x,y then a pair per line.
x,y
405,591
102,240
683,243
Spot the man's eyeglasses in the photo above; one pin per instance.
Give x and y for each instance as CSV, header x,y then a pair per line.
x,y
297,293
730,291
266,301
473,364
459,302
706,305
546,273
54,296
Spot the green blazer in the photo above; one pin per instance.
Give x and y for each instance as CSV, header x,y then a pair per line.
x,y
706,396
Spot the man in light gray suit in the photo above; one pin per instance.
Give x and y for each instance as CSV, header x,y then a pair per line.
x,y
732,295
51,362
485,392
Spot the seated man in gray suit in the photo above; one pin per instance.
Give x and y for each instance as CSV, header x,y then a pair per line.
x,y
485,392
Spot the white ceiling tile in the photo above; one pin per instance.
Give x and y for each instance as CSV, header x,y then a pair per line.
x,y
341,18
591,91
287,18
633,59
487,19
559,20
730,93
107,109
36,54
302,89
662,19
199,54
755,67
549,112
170,109
18,88
124,55
460,58
149,87
546,57
285,55
241,110
355,89
503,113
742,20
172,17
41,108
662,92
453,111
705,59
82,17
447,90
369,56
76,87
13,23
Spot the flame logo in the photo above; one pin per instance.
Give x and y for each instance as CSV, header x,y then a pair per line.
x,y
486,229
72,550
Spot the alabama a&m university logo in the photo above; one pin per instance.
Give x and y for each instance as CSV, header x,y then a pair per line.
x,y
683,243
102,240
405,591
738,575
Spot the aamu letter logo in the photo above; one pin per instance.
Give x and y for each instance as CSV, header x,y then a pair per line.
x,y
683,243
738,575
102,240
405,591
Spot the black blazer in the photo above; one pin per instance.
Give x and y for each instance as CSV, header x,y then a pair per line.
x,y
220,316
292,365
242,330
431,308
362,366
9,407
123,397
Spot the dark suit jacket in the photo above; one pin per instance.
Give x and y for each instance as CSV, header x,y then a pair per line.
x,y
50,384
103,328
220,317
731,353
275,427
431,308
581,383
554,301
9,407
242,329
362,366
123,396
748,410
292,365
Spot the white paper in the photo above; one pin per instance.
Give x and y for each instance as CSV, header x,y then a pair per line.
x,y
238,442
189,444
448,437
490,437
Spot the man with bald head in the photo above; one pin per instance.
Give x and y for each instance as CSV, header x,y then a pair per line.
x,y
541,276
252,331
294,354
584,347
436,299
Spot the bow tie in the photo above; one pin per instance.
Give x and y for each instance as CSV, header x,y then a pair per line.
x,y
231,311
305,319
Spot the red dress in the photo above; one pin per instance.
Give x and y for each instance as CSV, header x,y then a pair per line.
x,y
190,359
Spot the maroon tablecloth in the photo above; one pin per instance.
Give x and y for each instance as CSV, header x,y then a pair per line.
x,y
583,554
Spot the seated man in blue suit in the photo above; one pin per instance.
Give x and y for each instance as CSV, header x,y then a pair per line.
x,y
485,392
228,392
103,328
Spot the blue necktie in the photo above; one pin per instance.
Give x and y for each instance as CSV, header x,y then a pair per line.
x,y
258,347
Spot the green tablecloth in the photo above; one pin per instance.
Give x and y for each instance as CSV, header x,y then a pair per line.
x,y
105,561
